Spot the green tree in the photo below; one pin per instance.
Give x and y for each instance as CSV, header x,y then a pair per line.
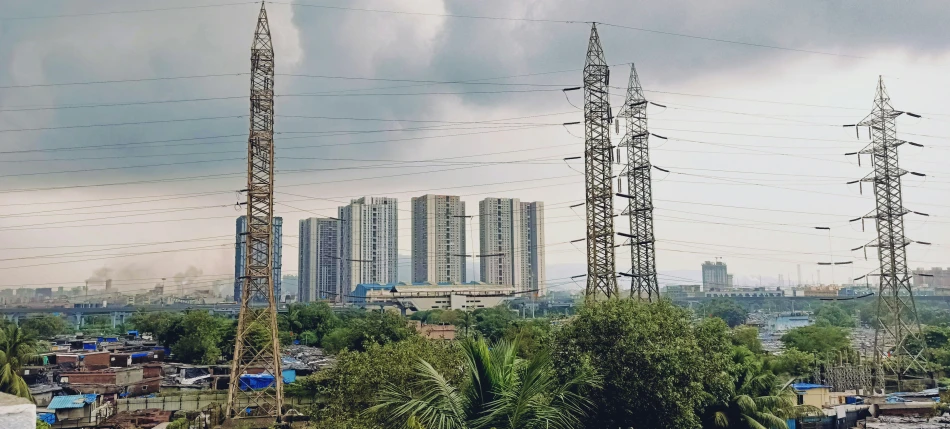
x,y
200,338
315,317
181,423
499,391
45,326
726,309
375,327
834,315
345,390
653,365
823,340
164,326
309,338
531,336
756,400
17,348
747,336
793,363
492,322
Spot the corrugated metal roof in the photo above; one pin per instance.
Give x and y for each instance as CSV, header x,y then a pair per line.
x,y
72,401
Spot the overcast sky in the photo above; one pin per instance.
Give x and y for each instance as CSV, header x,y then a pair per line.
x,y
139,176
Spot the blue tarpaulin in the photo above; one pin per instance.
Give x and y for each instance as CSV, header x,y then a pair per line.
x,y
136,333
806,386
256,381
49,418
289,375
89,346
138,355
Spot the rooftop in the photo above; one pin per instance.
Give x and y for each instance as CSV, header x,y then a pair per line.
x,y
72,401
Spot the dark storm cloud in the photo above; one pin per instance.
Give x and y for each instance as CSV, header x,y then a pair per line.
x,y
367,44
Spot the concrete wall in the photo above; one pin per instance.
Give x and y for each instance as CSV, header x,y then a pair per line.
x,y
97,360
128,375
16,412
88,377
151,371
190,402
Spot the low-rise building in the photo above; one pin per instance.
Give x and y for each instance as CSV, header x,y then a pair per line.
x,y
816,395
122,382
757,292
434,332
430,296
75,411
683,291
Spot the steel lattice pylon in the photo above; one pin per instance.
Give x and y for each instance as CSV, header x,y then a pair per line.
x,y
898,328
640,193
250,355
601,273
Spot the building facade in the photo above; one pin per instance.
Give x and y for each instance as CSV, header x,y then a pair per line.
x,y
240,257
533,246
715,276
438,239
431,296
511,235
369,245
937,278
319,262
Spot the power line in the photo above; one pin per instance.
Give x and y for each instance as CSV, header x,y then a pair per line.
x,y
121,12
557,21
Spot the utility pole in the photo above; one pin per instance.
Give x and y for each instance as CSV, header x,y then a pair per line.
x,y
643,282
898,327
598,157
250,357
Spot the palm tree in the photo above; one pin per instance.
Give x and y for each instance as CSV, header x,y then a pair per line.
x,y
500,391
756,400
17,348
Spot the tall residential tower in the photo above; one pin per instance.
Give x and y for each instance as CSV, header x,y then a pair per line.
x,y
240,257
438,239
369,251
319,263
512,243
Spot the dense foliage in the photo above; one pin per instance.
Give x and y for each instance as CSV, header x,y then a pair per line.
x,y
726,309
350,387
499,390
17,349
649,356
834,315
821,340
45,326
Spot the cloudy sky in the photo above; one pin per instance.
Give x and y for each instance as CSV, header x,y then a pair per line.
x,y
123,125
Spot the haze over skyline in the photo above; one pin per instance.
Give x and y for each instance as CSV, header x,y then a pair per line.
x,y
136,169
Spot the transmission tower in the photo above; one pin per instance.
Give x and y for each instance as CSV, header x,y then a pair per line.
x,y
639,209
898,343
598,157
250,356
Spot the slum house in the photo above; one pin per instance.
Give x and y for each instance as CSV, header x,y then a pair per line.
x,y
75,411
115,382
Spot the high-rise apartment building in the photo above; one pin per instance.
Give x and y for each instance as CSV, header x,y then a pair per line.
x,y
319,262
240,257
715,276
532,214
369,251
438,239
511,237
